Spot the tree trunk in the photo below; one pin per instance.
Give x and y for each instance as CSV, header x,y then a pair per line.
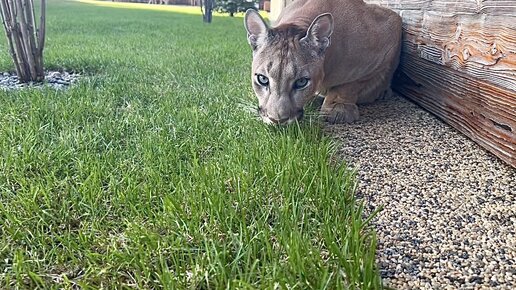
x,y
207,11
25,40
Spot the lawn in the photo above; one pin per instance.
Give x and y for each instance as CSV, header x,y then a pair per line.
x,y
152,173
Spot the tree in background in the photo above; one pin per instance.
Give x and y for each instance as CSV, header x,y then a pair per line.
x,y
26,40
234,6
207,10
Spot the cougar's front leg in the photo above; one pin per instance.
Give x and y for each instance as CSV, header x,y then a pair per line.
x,y
340,105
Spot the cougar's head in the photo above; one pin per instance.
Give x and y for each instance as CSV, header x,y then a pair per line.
x,y
288,65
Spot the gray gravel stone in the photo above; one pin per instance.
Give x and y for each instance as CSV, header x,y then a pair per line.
x,y
53,79
449,206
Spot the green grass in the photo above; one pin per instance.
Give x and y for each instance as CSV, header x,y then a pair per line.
x,y
150,174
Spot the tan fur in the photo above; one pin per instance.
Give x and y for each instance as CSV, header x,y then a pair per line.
x,y
348,55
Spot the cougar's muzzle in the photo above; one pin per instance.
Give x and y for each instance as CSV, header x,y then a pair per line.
x,y
278,119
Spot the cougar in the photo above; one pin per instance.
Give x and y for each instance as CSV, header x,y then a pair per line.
x,y
345,50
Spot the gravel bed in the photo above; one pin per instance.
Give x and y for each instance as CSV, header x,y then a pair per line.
x,y
449,217
54,79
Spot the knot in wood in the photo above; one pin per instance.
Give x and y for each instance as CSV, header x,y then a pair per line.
x,y
465,54
494,49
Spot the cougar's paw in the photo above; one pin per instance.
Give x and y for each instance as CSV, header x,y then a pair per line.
x,y
340,113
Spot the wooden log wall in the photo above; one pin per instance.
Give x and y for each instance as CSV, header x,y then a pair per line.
x,y
459,62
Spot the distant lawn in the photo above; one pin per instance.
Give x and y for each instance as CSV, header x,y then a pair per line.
x,y
150,174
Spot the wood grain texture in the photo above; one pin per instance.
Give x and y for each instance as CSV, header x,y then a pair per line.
x,y
489,7
459,62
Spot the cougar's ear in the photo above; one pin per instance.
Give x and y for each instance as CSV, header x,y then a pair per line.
x,y
318,34
256,28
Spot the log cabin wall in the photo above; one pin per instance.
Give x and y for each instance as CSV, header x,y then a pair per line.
x,y
459,62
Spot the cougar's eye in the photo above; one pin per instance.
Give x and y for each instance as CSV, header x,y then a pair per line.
x,y
262,80
301,83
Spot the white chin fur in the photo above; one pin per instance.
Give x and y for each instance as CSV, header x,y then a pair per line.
x,y
269,122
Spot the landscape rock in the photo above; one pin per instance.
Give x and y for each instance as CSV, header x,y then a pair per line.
x,y
449,206
54,79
